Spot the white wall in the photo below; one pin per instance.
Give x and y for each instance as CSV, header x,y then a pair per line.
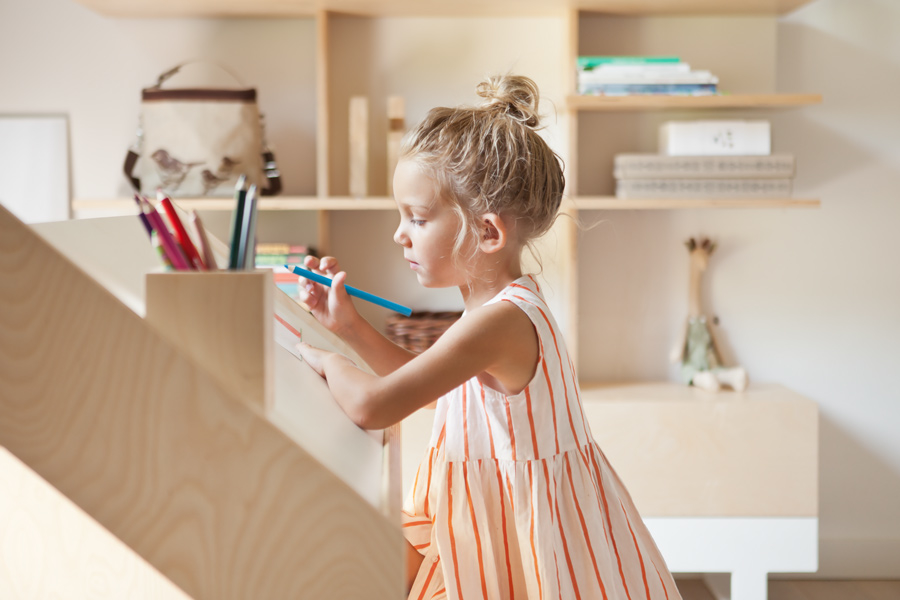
x,y
807,298
841,278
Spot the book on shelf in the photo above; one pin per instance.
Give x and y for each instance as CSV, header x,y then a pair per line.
x,y
587,63
279,260
282,248
704,188
626,75
648,89
659,166
275,255
715,137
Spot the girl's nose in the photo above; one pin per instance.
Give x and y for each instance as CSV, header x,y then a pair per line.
x,y
400,237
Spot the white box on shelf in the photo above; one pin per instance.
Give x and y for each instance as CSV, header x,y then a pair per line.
x,y
715,138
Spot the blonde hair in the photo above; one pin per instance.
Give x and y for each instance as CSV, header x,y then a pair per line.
x,y
490,159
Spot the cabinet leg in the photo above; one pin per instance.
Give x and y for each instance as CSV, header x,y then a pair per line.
x,y
749,585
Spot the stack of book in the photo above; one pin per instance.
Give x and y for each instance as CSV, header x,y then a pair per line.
x,y
707,159
275,256
627,75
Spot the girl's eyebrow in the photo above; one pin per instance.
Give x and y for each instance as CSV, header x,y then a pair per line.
x,y
423,206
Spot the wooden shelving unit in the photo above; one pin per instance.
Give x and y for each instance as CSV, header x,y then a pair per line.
x,y
330,194
628,407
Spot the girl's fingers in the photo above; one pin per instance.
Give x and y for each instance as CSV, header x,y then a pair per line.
x,y
337,283
313,357
329,264
308,295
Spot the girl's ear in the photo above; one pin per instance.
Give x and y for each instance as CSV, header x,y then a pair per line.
x,y
494,234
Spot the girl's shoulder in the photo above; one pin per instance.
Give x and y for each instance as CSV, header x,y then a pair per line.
x,y
524,289
515,307
525,293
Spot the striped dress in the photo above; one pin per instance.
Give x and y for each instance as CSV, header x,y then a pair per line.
x,y
514,499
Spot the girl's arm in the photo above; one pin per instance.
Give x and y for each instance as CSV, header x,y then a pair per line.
x,y
497,340
334,309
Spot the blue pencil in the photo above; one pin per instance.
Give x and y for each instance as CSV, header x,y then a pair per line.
x,y
352,291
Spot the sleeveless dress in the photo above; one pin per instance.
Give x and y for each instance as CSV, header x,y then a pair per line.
x,y
514,499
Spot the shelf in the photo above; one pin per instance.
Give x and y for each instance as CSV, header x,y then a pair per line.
x,y
650,102
613,203
124,206
265,204
417,8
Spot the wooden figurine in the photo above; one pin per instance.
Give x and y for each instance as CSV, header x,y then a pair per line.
x,y
701,362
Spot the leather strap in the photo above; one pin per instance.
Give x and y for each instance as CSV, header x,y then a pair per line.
x,y
174,71
273,175
130,161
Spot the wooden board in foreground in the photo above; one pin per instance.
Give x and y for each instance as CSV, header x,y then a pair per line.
x,y
197,482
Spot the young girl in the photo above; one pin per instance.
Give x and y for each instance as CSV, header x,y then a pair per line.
x,y
513,498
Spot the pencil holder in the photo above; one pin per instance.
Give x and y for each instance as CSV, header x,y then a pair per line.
x,y
223,321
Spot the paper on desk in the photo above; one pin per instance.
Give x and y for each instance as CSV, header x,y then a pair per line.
x,y
287,336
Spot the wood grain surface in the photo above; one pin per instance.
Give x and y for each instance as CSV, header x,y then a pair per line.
x,y
50,548
142,439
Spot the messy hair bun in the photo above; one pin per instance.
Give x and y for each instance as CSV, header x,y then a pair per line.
x,y
491,159
516,96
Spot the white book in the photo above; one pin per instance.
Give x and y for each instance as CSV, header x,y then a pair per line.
x,y
704,188
593,77
715,138
658,166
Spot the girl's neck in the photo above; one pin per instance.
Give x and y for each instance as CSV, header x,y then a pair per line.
x,y
485,283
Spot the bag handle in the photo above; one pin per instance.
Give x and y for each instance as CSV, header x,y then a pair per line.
x,y
163,77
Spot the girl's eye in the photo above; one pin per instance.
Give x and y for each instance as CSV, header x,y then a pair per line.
x,y
417,222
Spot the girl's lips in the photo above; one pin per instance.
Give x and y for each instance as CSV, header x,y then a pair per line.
x,y
412,264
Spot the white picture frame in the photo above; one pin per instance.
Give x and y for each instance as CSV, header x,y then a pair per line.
x,y
34,166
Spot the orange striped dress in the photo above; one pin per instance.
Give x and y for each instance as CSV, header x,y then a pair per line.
x,y
514,499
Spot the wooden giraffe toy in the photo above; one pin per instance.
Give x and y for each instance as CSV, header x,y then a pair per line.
x,y
701,362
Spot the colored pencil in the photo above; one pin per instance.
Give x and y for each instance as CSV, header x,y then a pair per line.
x,y
142,216
181,235
170,246
200,231
237,220
248,231
356,292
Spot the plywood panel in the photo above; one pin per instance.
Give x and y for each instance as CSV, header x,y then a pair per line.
x,y
136,434
224,321
49,548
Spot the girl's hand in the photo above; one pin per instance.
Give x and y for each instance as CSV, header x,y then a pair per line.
x,y
314,357
331,306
